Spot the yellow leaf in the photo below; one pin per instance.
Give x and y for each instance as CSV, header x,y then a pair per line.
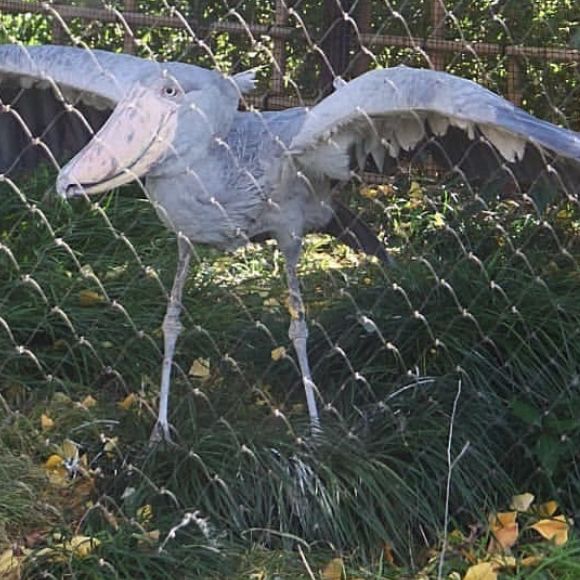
x,y
200,368
415,190
333,570
60,398
90,298
148,538
456,537
59,477
564,214
128,401
53,462
502,561
81,545
9,565
145,513
46,422
548,509
439,220
56,471
555,529
370,192
530,561
278,353
88,402
111,445
69,450
504,529
481,571
522,502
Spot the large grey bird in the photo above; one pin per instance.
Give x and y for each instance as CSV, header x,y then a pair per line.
x,y
223,177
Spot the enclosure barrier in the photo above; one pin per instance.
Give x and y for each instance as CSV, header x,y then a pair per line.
x,y
444,349
344,34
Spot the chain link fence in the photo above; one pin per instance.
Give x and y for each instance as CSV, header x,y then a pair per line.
x,y
444,358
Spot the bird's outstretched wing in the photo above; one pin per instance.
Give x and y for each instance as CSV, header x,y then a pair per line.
x,y
54,98
402,112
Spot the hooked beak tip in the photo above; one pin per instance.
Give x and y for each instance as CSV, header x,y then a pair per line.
x,y
67,188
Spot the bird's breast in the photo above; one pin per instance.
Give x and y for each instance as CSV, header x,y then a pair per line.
x,y
212,209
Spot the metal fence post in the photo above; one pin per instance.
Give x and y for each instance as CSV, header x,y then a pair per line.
x,y
129,39
279,50
438,12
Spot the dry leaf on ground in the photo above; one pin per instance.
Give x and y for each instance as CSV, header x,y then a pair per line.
x,y
555,529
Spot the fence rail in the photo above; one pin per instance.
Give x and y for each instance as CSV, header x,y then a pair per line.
x,y
435,47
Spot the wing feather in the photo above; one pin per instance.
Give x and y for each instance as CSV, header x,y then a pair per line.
x,y
54,98
403,110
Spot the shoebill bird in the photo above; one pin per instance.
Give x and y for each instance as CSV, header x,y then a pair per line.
x,y
222,177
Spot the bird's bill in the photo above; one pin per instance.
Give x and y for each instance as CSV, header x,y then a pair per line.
x,y
135,137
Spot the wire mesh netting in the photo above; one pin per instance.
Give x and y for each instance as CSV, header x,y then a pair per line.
x,y
420,232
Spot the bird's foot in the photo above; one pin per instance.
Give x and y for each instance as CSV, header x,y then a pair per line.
x,y
315,427
161,433
316,432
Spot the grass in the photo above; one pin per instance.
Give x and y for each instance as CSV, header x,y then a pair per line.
x,y
481,316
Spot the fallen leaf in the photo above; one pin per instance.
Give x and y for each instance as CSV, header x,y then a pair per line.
x,y
145,513
80,546
10,565
415,190
333,570
53,461
439,220
555,529
200,368
278,353
531,561
481,571
370,192
60,398
503,561
148,538
69,450
111,446
90,298
128,401
522,502
548,509
56,471
456,537
88,402
46,423
504,529
388,553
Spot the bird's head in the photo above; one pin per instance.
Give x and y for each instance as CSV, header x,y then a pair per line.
x,y
165,120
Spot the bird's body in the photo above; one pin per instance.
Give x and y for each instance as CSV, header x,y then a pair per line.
x,y
222,177
233,191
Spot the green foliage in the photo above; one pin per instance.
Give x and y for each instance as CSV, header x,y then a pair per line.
x,y
481,310
245,464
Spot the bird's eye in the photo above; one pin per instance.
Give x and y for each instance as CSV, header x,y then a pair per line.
x,y
170,91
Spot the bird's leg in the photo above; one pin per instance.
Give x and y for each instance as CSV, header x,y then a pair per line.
x,y
298,331
171,329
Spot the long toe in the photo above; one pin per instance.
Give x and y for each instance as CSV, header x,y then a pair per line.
x,y
161,434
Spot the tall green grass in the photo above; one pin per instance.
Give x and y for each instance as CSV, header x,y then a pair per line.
x,y
481,313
